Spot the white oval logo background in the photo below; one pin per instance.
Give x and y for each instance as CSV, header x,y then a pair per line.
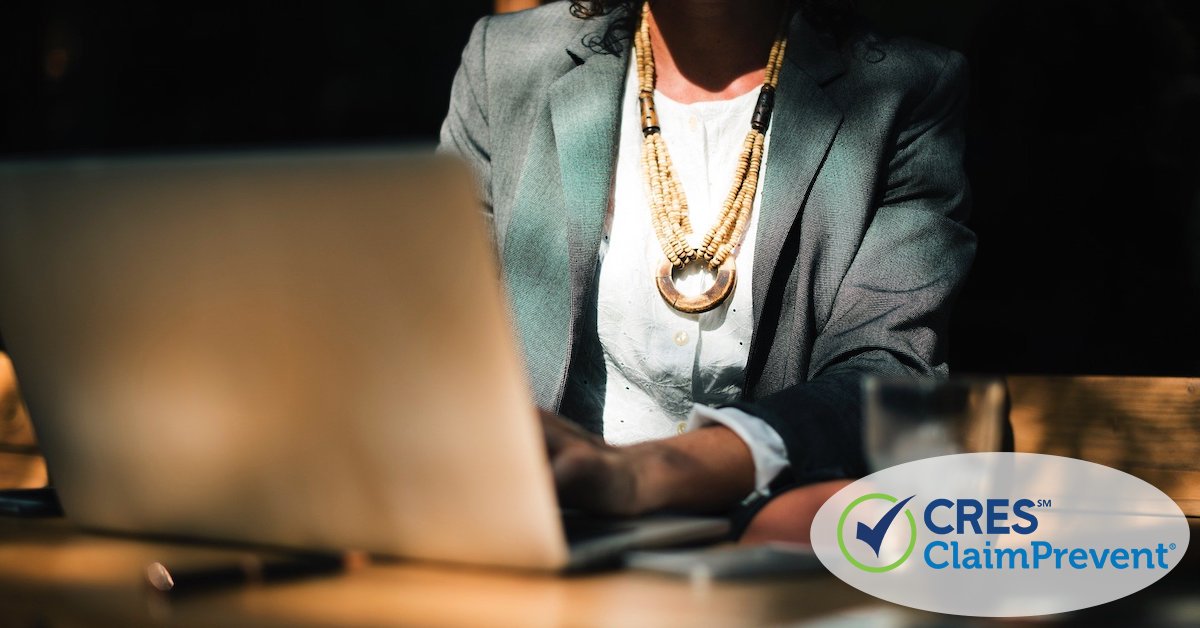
x,y
1058,534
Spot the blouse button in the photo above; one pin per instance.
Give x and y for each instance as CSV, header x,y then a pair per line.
x,y
681,338
681,427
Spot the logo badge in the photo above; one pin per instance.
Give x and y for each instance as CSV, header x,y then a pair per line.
x,y
1040,534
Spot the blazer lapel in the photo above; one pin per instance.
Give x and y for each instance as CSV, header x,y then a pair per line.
x,y
803,125
585,109
558,214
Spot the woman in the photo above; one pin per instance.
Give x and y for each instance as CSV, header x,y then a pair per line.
x,y
672,231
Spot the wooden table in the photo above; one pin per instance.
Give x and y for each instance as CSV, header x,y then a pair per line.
x,y
52,575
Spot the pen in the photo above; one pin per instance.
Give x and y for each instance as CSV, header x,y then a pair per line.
x,y
248,570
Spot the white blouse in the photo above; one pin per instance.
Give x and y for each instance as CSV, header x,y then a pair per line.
x,y
661,363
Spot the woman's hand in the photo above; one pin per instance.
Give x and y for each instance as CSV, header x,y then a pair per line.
x,y
590,474
789,515
707,470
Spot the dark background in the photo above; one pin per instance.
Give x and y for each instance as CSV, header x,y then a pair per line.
x,y
1084,136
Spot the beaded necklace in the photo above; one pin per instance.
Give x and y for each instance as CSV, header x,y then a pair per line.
x,y
668,206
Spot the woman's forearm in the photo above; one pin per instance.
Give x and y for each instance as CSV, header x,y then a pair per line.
x,y
708,470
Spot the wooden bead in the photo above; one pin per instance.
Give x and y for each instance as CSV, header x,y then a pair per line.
x,y
762,110
649,117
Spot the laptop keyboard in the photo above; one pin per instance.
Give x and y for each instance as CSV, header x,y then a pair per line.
x,y
580,528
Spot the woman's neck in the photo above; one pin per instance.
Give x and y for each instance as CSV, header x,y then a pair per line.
x,y
712,49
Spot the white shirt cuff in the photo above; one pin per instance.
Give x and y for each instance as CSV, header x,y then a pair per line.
x,y
765,444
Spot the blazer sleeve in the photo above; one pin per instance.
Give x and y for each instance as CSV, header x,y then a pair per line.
x,y
465,131
891,310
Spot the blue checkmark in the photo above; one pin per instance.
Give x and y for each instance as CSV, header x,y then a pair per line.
x,y
873,535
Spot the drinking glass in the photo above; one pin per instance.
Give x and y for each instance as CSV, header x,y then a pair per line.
x,y
911,419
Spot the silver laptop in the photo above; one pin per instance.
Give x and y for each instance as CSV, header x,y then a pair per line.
x,y
306,350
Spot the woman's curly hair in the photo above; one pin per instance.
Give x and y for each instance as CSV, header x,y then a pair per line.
x,y
833,17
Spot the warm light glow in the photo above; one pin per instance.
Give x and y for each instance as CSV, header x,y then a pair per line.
x,y
57,60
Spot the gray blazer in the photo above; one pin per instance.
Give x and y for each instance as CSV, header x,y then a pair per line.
x,y
861,242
